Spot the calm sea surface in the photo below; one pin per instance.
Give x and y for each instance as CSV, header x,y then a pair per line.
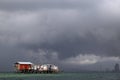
x,y
61,76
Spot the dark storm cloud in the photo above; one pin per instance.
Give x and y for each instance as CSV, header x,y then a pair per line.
x,y
45,4
51,31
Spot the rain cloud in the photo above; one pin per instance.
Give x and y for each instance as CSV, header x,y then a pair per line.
x,y
59,31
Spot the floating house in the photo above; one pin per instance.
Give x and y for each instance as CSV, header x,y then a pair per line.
x,y
50,68
23,66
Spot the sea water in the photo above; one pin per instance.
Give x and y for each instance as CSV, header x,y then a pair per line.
x,y
61,76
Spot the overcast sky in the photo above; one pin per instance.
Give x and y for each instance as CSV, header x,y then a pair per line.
x,y
73,34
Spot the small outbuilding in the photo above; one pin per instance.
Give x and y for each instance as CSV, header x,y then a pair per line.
x,y
23,66
49,68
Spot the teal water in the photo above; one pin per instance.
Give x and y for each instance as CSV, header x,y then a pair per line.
x,y
61,76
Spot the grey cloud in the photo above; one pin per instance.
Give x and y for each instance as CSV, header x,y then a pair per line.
x,y
46,4
65,29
